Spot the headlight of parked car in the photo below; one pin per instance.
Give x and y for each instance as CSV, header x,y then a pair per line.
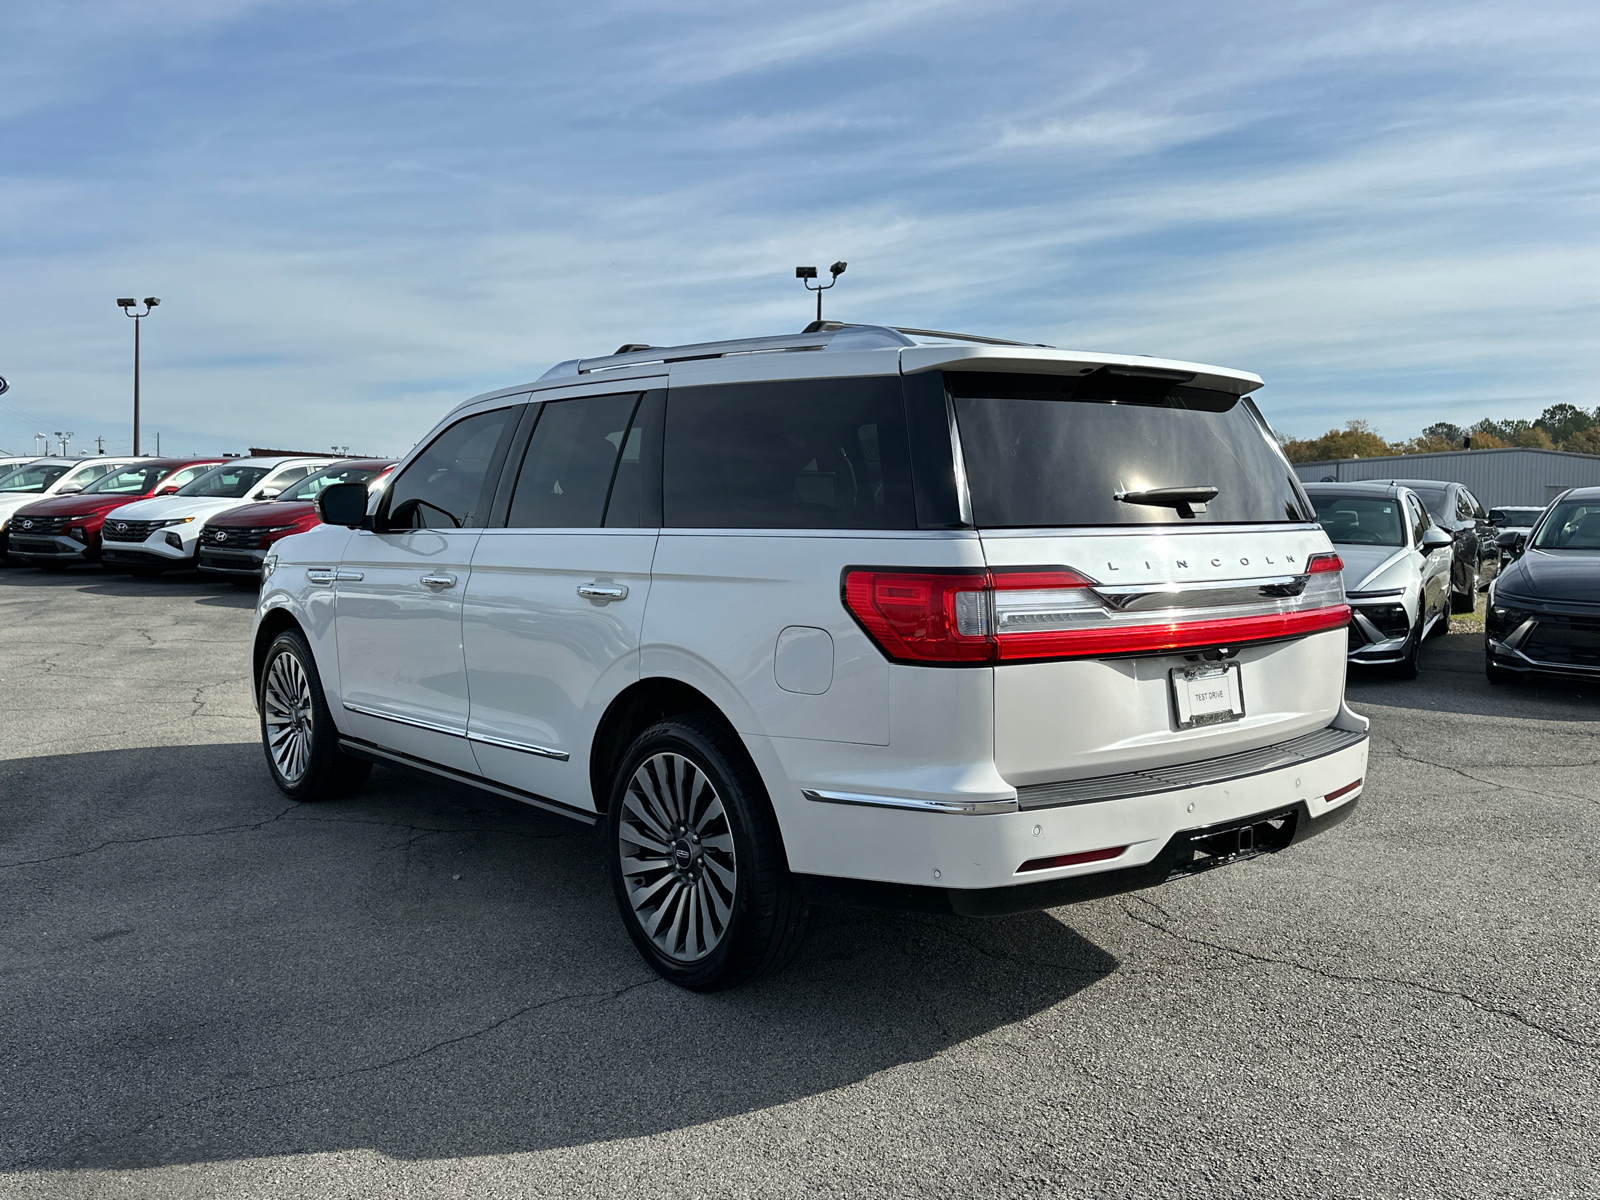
x,y
1501,620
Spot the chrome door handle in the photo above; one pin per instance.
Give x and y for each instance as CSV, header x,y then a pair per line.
x,y
438,582
318,575
604,592
349,576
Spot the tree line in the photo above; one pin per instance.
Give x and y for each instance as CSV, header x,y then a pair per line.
x,y
1559,427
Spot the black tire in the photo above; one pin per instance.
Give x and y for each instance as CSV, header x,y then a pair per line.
x,y
766,916
1408,667
315,769
1441,627
1460,603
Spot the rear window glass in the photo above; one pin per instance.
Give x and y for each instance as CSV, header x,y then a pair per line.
x,y
809,454
1360,520
1053,450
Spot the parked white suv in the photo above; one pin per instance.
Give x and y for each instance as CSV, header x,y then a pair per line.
x,y
861,614
150,536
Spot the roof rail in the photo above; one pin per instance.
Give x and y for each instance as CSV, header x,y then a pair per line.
x,y
841,337
819,326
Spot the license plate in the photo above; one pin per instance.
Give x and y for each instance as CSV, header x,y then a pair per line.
x,y
1207,695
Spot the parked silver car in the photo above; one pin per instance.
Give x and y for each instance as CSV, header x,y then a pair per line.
x,y
1396,569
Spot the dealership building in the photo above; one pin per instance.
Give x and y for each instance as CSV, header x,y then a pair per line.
x,y
1495,477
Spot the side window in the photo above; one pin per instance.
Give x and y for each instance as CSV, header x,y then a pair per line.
x,y
1419,519
572,456
443,487
1472,502
1463,505
292,475
812,454
636,492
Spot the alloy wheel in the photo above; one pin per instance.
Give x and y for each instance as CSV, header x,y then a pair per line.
x,y
677,857
288,709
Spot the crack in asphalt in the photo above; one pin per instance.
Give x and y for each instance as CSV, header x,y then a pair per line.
x,y
1342,977
156,837
600,997
1405,756
419,832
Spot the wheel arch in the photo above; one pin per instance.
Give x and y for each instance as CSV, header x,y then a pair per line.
x,y
274,622
630,713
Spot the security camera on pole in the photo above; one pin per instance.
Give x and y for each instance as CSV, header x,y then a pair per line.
x,y
128,307
806,274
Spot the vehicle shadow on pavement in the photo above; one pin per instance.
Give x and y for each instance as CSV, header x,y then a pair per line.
x,y
1452,680
91,581
199,970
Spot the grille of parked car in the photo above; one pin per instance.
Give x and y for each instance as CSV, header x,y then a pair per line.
x,y
233,537
41,526
129,531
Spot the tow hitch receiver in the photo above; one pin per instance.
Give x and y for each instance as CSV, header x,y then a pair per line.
x,y
1215,845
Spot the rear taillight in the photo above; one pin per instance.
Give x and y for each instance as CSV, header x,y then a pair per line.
x,y
966,617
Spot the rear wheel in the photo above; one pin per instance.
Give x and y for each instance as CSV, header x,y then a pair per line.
x,y
297,730
696,858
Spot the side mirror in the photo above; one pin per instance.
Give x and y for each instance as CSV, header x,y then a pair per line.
x,y
267,494
70,491
343,504
1513,542
1435,539
167,491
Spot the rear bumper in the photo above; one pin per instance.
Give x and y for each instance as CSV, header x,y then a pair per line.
x,y
53,548
1006,854
240,564
1187,852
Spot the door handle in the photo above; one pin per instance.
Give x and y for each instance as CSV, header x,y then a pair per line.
x,y
438,582
603,592
349,576
318,575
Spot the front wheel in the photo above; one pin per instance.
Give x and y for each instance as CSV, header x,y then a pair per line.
x,y
697,861
297,730
1408,667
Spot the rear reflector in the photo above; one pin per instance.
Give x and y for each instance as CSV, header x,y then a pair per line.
x,y
981,617
1344,791
1071,860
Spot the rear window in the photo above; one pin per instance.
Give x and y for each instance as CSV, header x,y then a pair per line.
x,y
808,454
1053,450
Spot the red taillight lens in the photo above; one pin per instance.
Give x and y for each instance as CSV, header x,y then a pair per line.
x,y
923,616
1040,613
1319,563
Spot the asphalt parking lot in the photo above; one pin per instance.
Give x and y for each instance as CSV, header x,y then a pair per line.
x,y
426,991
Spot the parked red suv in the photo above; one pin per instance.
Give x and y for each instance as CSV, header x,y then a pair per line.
x,y
234,542
62,530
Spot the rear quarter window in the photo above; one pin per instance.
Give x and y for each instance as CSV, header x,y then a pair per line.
x,y
1053,450
805,454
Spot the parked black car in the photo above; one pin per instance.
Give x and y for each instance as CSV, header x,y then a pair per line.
x,y
1476,557
1544,610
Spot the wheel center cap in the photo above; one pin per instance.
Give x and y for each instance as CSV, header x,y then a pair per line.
x,y
683,854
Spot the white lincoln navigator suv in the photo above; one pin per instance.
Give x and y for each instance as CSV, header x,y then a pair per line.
x,y
863,614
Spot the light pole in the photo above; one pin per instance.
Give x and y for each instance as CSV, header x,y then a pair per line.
x,y
806,274
65,438
128,306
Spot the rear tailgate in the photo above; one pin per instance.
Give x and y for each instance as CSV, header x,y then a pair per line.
x,y
1089,716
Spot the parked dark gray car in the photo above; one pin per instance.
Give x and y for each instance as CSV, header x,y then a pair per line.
x,y
1476,557
1544,611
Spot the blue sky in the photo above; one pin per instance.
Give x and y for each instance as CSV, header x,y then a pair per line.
x,y
358,214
